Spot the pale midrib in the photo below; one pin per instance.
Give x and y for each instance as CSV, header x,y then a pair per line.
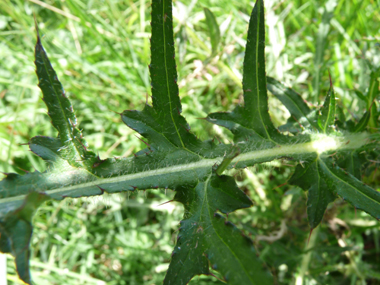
x,y
278,151
167,79
257,73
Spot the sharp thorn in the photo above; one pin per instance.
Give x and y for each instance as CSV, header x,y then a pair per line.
x,y
165,202
311,231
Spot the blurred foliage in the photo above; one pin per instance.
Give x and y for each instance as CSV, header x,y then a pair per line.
x,y
100,51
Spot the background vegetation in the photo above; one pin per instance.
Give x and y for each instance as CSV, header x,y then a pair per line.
x,y
100,51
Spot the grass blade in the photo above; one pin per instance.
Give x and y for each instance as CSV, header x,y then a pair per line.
x,y
323,31
213,29
373,93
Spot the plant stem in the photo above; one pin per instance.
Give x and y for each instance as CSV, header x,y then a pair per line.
x,y
306,258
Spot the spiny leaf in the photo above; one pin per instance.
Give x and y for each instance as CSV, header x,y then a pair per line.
x,y
61,111
253,120
254,77
176,159
204,235
188,259
163,125
308,177
16,232
49,149
163,73
293,102
147,124
351,189
213,29
327,117
233,254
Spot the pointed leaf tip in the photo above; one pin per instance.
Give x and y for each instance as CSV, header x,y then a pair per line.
x,y
326,119
37,31
253,119
60,110
162,124
311,231
254,77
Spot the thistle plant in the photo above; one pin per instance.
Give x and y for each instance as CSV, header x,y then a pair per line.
x,y
332,153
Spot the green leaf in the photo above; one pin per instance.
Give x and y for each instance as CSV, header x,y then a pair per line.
x,y
373,90
205,237
254,79
351,189
360,95
370,117
165,95
340,114
253,119
363,122
61,111
188,259
326,119
163,125
176,159
293,102
49,149
148,125
352,162
308,177
213,29
373,93
16,232
291,126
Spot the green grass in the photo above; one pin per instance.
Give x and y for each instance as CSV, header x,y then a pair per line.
x,y
100,51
